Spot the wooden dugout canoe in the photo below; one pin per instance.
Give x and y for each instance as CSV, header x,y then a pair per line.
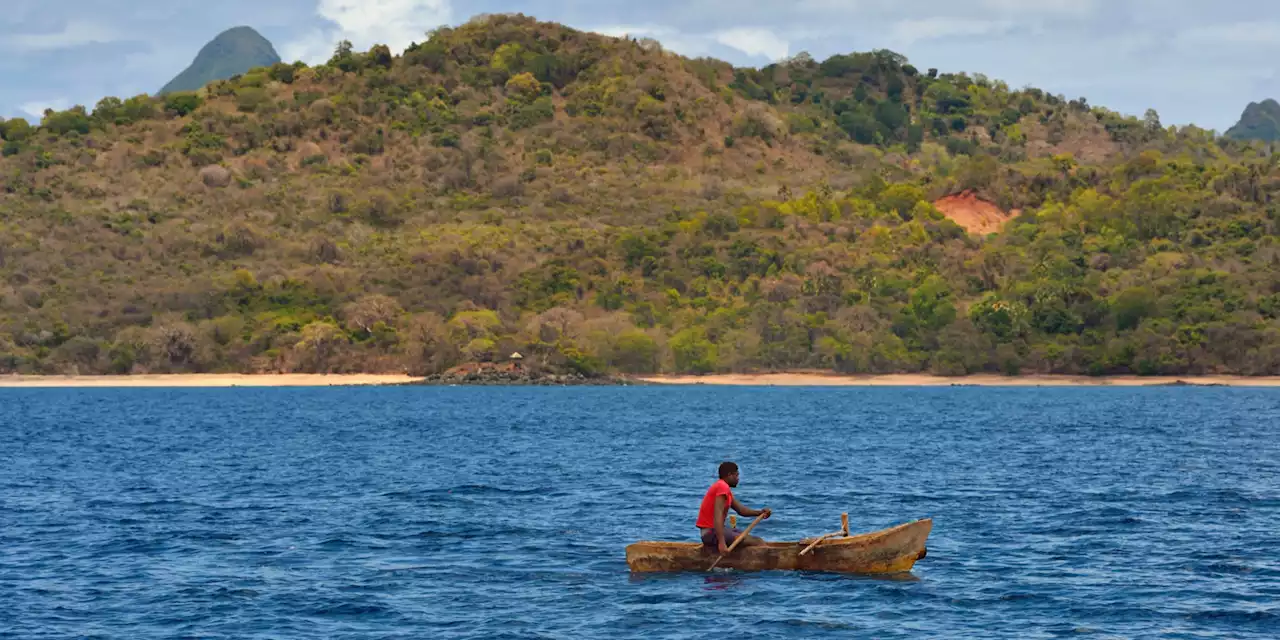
x,y
892,550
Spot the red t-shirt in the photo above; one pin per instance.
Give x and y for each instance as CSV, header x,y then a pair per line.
x,y
707,512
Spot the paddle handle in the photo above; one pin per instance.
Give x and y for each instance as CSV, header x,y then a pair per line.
x,y
737,540
844,531
819,539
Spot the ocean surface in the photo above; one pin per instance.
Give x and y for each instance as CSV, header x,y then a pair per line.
x,y
504,512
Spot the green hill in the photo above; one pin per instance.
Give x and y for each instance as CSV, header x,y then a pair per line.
x,y
232,53
599,204
1260,121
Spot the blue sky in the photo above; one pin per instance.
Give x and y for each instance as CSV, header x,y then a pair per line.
x,y
1193,61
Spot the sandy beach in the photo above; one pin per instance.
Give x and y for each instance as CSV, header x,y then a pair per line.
x,y
820,379
785,379
206,380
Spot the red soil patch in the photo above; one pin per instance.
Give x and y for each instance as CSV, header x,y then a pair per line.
x,y
973,213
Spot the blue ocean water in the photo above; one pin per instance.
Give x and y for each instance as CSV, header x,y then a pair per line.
x,y
504,512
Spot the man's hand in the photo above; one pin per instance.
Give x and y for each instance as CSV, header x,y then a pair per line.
x,y
766,513
723,548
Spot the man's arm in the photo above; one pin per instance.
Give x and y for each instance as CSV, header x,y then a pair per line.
x,y
721,510
743,510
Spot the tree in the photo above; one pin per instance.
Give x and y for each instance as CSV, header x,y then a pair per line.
x,y
554,325
15,130
962,350
81,352
929,309
915,137
365,313
380,56
1130,306
860,126
635,352
524,88
63,122
109,109
181,103
1151,121
901,198
343,58
469,325
137,108
427,345
978,172
803,59
947,99
892,115
509,57
319,344
693,352
1000,318
895,88
175,344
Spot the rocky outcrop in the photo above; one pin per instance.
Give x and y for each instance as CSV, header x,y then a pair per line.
x,y
484,373
215,177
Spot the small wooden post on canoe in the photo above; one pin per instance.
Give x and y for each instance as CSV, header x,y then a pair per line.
x,y
737,540
844,531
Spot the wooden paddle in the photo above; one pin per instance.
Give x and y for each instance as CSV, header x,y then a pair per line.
x,y
844,531
737,540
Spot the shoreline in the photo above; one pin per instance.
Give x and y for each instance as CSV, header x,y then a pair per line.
x,y
823,379
205,380
779,379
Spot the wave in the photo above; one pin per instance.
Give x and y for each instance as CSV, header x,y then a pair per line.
x,y
349,609
1233,616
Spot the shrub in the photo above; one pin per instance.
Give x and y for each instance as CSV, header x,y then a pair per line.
x,y
541,110
693,352
251,99
182,103
64,122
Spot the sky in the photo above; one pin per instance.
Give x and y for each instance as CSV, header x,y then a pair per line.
x,y
1195,62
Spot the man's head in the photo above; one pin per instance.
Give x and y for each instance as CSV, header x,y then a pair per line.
x,y
729,473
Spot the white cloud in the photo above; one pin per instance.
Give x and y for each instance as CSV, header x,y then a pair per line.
x,y
751,41
395,23
685,44
754,42
73,34
312,48
36,108
912,31
635,31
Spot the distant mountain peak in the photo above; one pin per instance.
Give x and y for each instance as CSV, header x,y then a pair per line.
x,y
1260,121
231,53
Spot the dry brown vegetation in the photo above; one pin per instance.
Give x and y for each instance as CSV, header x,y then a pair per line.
x,y
600,204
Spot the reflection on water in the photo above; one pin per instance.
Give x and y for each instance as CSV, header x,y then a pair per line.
x,y
721,581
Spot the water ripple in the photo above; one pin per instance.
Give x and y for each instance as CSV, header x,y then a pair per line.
x,y
503,513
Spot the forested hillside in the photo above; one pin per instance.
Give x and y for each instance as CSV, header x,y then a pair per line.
x,y
599,204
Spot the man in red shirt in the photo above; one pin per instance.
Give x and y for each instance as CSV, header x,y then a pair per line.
x,y
715,505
